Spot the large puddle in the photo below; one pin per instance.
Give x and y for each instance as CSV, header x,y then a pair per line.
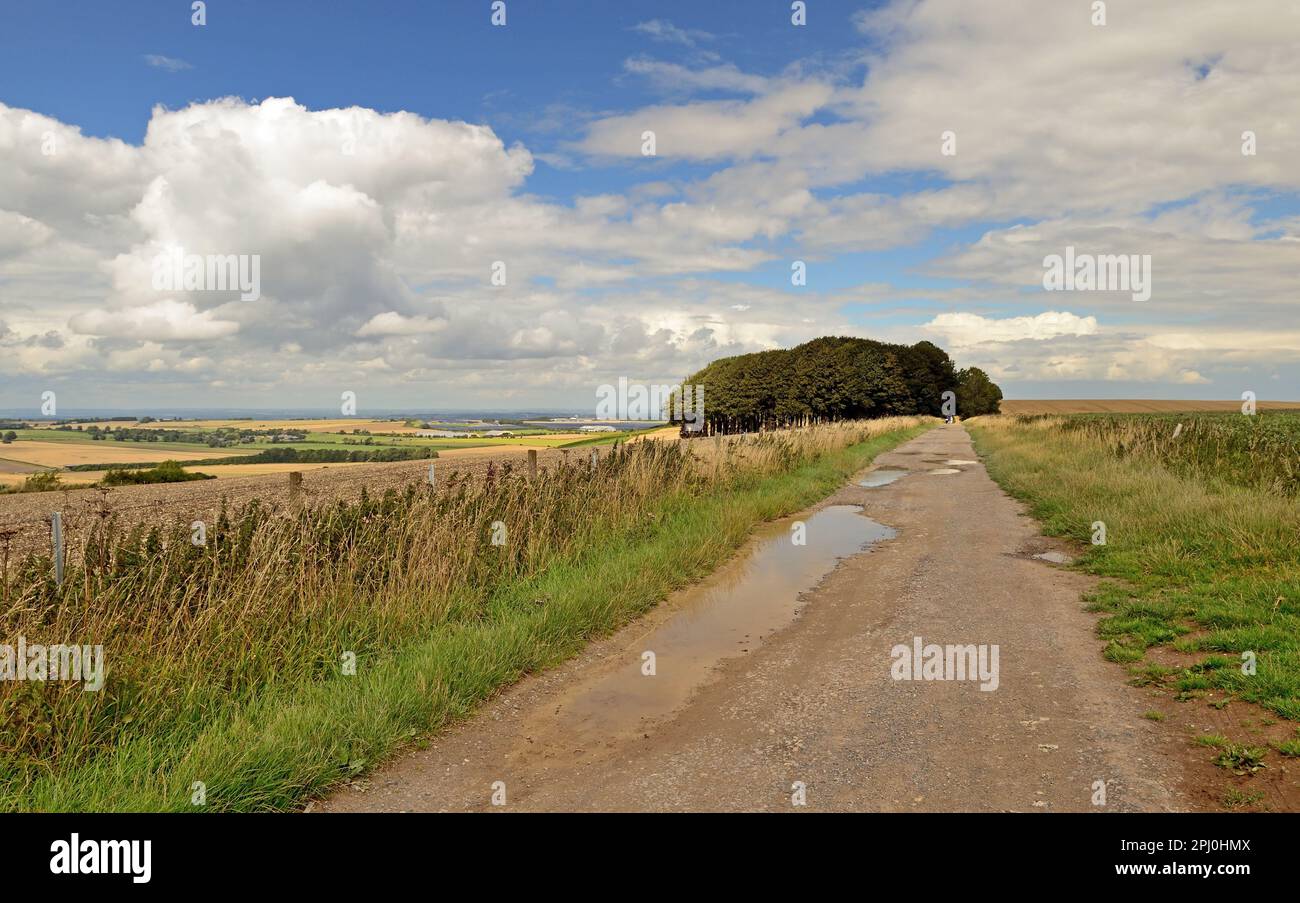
x,y
722,617
882,477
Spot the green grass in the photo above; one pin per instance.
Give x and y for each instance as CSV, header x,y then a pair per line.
x,y
288,742
1206,561
1241,760
607,438
74,437
1239,799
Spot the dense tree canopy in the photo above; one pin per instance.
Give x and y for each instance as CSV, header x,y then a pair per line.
x,y
976,393
834,378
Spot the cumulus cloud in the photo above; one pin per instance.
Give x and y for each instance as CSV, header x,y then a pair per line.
x,y
378,232
166,320
963,329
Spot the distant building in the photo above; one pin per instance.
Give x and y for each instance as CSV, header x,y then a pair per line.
x,y
598,428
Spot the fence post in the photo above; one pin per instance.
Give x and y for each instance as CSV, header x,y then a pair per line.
x,y
432,479
56,538
532,463
295,488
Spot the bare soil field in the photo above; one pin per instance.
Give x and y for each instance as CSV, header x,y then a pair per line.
x,y
1130,406
19,469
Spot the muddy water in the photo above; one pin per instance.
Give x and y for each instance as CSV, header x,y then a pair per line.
x,y
722,617
882,477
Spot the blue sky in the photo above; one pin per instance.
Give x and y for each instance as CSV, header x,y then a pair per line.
x,y
471,144
441,59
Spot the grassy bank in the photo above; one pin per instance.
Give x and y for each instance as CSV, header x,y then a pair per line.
x,y
1206,551
227,662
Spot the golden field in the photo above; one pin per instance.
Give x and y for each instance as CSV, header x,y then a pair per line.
x,y
64,454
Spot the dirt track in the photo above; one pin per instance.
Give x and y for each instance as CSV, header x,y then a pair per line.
x,y
814,702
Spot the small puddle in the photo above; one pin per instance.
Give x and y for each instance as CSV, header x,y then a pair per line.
x,y
959,461
945,470
724,616
1054,557
882,477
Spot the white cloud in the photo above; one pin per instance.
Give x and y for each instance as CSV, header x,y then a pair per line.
x,y
964,329
675,77
377,231
663,30
393,323
709,130
166,320
171,64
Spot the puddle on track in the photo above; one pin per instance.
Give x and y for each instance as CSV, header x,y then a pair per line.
x,y
1054,557
882,477
722,617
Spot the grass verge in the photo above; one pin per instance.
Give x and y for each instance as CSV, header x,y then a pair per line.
x,y
289,743
1198,563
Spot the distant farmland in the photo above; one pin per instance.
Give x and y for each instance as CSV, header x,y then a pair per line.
x,y
1130,406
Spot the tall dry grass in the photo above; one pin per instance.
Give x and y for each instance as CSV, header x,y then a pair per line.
x,y
1260,451
277,596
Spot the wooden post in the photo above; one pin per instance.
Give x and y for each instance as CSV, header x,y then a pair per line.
x,y
295,488
532,463
594,455
56,539
432,478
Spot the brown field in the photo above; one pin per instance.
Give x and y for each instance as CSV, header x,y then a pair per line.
x,y
1129,406
16,468
63,454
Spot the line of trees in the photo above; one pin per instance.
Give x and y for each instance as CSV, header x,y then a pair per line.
x,y
837,378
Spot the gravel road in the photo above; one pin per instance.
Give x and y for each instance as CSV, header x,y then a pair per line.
x,y
804,707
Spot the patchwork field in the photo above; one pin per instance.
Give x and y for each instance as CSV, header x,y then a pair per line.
x,y
45,447
342,423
